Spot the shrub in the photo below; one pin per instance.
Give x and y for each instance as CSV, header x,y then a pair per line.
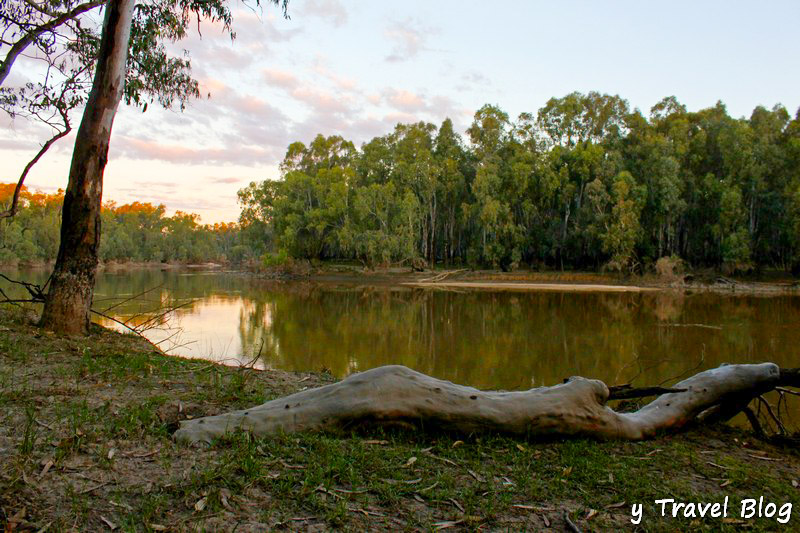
x,y
670,268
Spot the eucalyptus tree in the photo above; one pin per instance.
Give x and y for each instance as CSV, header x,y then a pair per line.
x,y
308,208
69,298
416,170
489,135
624,229
452,161
650,154
68,45
770,177
584,183
791,192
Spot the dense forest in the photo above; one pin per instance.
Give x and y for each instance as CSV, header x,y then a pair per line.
x,y
585,183
137,232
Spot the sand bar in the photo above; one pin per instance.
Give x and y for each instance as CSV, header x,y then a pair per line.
x,y
507,286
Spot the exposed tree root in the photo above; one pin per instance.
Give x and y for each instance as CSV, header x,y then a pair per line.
x,y
396,394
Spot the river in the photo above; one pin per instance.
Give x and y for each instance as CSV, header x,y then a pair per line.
x,y
498,340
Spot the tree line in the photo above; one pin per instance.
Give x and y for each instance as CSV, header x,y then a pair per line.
x,y
585,183
138,232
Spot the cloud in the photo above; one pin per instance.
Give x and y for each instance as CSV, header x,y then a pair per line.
x,y
281,78
323,101
230,128
19,144
404,100
341,82
331,11
173,203
475,78
263,30
150,185
213,50
409,38
417,106
470,81
135,148
226,180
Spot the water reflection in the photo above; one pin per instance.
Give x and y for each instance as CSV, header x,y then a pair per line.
x,y
487,339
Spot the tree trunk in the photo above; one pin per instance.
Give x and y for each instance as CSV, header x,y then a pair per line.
x,y
69,298
399,395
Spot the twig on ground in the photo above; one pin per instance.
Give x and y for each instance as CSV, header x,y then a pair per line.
x,y
776,419
570,524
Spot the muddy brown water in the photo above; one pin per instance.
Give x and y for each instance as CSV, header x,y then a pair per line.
x,y
488,339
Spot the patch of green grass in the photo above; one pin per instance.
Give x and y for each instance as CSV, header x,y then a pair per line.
x,y
30,432
136,420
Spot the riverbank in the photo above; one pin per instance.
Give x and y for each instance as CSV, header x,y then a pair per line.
x,y
85,429
770,283
527,280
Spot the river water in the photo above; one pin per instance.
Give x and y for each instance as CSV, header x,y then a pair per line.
x,y
497,340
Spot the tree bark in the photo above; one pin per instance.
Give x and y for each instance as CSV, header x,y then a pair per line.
x,y
396,394
69,299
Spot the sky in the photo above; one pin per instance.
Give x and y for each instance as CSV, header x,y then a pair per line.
x,y
356,68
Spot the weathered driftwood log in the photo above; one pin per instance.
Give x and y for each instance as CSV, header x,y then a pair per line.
x,y
396,394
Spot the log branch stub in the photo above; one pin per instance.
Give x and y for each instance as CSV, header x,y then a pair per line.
x,y
396,394
626,392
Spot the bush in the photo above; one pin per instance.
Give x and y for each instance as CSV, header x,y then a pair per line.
x,y
670,268
281,266
275,260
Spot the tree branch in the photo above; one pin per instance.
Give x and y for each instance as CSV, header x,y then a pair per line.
x,y
33,34
626,392
12,210
578,407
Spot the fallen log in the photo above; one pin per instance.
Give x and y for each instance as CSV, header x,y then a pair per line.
x,y
399,395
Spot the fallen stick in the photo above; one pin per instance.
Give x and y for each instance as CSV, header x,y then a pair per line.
x,y
396,394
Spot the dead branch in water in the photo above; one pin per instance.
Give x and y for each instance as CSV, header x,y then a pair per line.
x,y
38,295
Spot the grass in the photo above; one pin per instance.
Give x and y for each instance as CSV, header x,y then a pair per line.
x,y
85,441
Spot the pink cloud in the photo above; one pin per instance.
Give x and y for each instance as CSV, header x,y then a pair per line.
x,y
405,100
410,104
213,87
347,84
135,148
249,104
281,78
227,180
323,101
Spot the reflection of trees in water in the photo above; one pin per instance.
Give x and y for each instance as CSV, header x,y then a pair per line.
x,y
496,340
180,285
668,305
507,340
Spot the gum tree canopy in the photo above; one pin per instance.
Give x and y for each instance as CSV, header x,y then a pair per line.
x,y
69,65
